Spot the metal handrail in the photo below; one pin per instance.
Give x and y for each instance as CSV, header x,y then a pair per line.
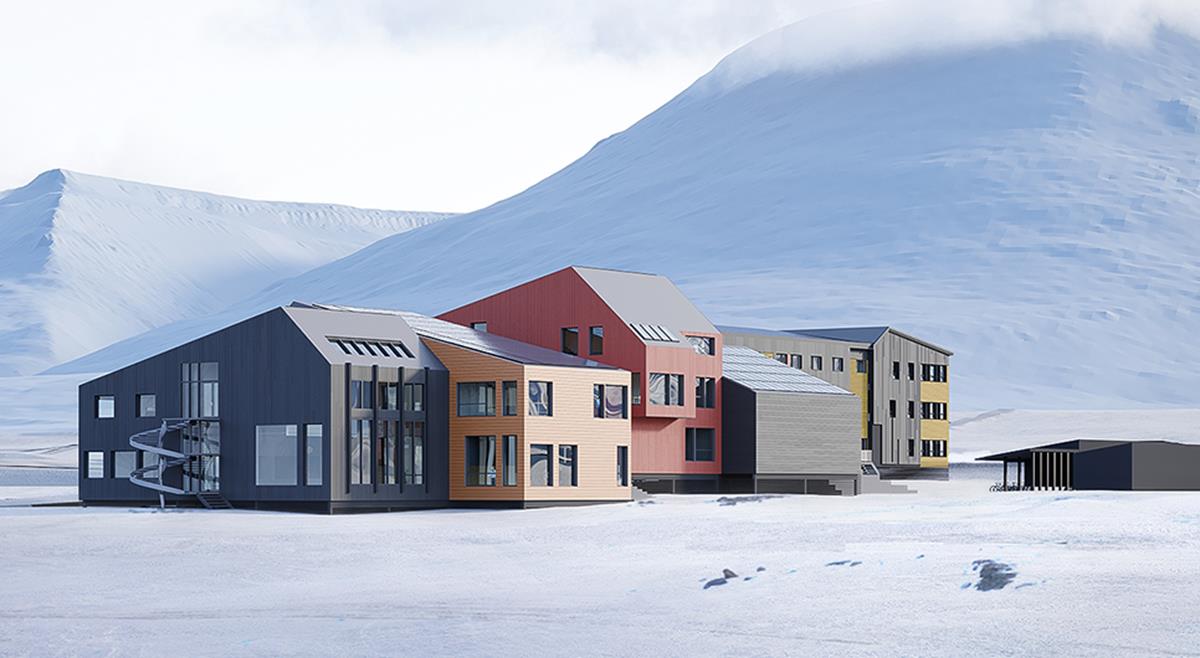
x,y
166,458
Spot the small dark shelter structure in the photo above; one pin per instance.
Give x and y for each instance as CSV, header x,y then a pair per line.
x,y
1103,464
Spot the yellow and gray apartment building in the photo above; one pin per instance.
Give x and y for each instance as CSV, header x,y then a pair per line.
x,y
902,382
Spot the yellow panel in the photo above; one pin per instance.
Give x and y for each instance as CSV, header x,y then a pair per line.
x,y
935,392
935,462
935,429
858,386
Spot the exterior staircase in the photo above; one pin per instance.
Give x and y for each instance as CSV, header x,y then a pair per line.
x,y
151,477
213,500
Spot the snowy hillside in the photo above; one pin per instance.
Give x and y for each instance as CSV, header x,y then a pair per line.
x,y
85,260
1032,206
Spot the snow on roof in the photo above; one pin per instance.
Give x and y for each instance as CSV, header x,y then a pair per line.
x,y
751,369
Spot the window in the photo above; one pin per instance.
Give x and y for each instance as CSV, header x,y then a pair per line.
x,y
700,444
510,460
508,394
386,455
124,463
95,465
798,361
932,372
199,390
540,474
541,399
911,411
895,370
912,447
703,344
860,365
360,451
145,405
360,394
106,406
481,461
866,443
570,340
666,389
275,455
912,371
609,401
782,358
414,453
892,408
414,397
706,392
314,454
933,410
596,340
479,326
930,448
623,466
389,393
816,362
477,399
635,380
838,364
566,466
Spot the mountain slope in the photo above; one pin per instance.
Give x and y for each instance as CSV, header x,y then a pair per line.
x,y
86,261
1032,206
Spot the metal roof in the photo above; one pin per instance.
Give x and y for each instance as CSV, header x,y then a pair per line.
x,y
653,307
866,335
751,369
728,329
1074,445
493,345
373,333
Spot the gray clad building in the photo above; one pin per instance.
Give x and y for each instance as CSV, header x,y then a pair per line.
x,y
785,431
296,408
1102,464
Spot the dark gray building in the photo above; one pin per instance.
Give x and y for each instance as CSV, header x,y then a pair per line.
x,y
296,408
1102,464
785,431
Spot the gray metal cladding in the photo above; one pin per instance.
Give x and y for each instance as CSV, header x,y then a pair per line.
x,y
783,342
802,433
750,368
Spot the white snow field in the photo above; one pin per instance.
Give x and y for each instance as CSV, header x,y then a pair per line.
x,y
86,261
39,420
1093,574
1031,206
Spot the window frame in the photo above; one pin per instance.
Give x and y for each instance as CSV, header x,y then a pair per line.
x,y
691,449
138,410
290,430
816,362
623,466
94,465
706,393
509,459
531,408
565,334
568,451
549,455
488,404
97,406
596,333
309,440
837,364
507,387
486,475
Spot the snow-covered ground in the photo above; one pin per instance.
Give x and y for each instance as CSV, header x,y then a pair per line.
x,y
39,420
1092,574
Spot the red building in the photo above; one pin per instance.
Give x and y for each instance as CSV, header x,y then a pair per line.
x,y
637,322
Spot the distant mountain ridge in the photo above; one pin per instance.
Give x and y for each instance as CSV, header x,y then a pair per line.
x,y
86,260
1032,206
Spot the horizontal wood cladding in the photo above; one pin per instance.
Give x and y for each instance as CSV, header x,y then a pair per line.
x,y
572,423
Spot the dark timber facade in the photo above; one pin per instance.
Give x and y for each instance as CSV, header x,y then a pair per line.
x,y
1098,464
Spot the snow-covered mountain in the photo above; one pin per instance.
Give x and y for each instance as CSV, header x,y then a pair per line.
x,y
1033,206
86,261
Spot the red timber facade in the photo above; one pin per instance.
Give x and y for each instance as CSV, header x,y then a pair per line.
x,y
637,322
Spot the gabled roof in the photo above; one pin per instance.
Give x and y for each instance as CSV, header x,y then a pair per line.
x,y
493,345
866,335
649,304
330,328
747,367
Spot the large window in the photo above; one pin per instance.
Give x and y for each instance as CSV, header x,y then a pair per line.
x,y
541,399
387,451
932,372
414,397
477,399
703,344
360,394
360,451
508,395
623,466
596,340
275,455
199,390
481,461
700,444
567,466
510,460
314,454
145,405
609,401
124,463
933,410
570,340
414,453
106,406
540,473
389,393
706,392
666,389
150,462
95,465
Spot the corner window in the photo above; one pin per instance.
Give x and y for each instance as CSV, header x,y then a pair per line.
x,y
414,453
838,364
510,460
623,466
479,326
931,372
124,463
705,345
145,404
481,461
106,406
509,395
706,393
360,394
540,474
596,340
414,397
477,399
275,455
933,410
567,471
609,401
700,444
95,465
816,362
541,399
314,454
570,340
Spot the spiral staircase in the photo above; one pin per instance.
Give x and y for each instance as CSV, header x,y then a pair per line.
x,y
151,477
